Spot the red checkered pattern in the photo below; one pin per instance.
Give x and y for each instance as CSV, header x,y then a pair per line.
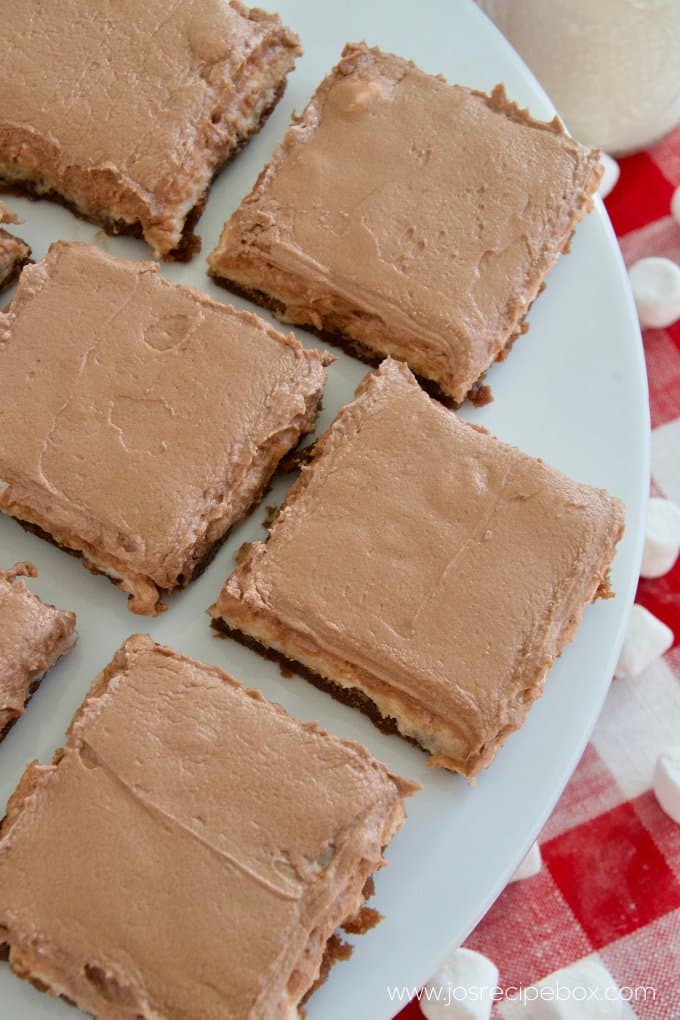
x,y
610,883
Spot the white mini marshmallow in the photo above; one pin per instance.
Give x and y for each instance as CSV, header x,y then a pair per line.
x,y
667,781
610,175
646,640
675,206
583,991
462,989
662,537
529,865
656,288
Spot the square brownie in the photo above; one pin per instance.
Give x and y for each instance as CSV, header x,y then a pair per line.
x,y
139,420
14,253
404,216
125,111
424,571
33,635
192,850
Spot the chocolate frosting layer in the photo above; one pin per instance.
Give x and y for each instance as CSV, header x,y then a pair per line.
x,y
415,217
33,635
139,419
428,564
126,109
180,854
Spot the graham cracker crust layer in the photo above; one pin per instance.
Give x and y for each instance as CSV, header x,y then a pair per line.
x,y
190,243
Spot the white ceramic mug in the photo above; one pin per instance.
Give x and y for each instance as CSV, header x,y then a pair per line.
x,y
611,67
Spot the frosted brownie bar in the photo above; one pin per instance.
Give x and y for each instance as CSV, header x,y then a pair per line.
x,y
139,420
405,216
125,111
193,848
33,635
14,253
425,571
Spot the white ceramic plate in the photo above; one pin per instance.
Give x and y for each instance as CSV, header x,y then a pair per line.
x,y
573,391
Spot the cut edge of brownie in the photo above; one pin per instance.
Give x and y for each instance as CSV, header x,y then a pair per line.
x,y
12,719
144,594
368,701
350,696
64,643
21,259
190,242
479,394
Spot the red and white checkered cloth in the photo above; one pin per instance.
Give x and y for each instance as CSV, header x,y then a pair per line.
x,y
609,888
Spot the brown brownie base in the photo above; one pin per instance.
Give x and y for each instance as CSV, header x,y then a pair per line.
x,y
190,243
199,569
201,566
347,696
479,394
206,559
